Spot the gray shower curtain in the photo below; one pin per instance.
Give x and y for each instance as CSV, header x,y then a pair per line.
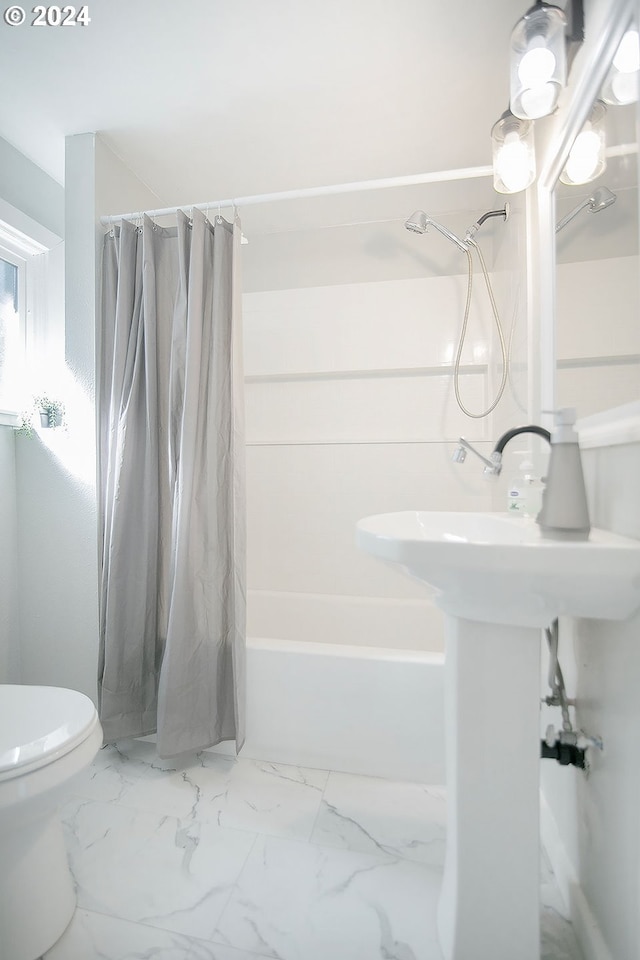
x,y
171,485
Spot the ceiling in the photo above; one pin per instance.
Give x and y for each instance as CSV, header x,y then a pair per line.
x,y
206,99
215,98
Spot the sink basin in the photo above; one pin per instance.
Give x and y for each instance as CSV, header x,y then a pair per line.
x,y
495,568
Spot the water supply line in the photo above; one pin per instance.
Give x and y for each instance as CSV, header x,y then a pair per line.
x,y
558,696
568,746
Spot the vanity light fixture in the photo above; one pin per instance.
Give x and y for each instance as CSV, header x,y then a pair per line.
x,y
587,158
543,43
621,84
538,61
514,159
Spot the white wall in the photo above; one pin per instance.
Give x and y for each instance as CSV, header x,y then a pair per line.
x,y
9,624
30,190
592,825
594,821
350,411
57,498
598,342
31,202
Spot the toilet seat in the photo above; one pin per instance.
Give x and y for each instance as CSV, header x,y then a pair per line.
x,y
48,735
38,725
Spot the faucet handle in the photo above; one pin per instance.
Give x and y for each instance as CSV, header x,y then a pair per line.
x,y
494,468
459,455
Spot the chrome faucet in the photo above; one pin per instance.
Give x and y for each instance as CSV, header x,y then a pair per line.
x,y
460,455
564,514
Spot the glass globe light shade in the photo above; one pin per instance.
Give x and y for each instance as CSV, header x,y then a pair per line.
x,y
587,159
538,61
622,83
514,167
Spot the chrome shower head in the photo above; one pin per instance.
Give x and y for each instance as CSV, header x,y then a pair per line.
x,y
419,222
602,197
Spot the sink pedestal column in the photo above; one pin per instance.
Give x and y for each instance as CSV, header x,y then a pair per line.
x,y
490,902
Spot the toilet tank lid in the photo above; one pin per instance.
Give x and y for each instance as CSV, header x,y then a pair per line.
x,y
38,722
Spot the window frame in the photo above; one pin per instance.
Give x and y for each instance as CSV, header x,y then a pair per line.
x,y
24,252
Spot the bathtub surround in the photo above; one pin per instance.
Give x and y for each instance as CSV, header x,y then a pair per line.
x,y
351,412
171,485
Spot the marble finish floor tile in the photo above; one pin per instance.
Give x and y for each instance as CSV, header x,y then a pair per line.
x,y
215,858
299,901
270,798
383,817
169,873
92,936
558,941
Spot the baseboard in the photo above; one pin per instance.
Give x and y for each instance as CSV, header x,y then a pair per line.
x,y
585,926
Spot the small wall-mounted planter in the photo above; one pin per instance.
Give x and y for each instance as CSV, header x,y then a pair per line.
x,y
51,412
51,418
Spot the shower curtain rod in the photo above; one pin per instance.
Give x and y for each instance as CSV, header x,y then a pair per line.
x,y
441,176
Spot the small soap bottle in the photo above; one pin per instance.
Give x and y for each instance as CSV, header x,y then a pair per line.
x,y
525,492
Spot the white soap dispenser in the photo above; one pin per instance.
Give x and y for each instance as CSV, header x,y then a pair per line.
x,y
565,513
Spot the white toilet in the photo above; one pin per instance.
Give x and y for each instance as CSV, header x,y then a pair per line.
x,y
47,735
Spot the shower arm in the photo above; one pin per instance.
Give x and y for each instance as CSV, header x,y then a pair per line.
x,y
493,213
471,232
573,213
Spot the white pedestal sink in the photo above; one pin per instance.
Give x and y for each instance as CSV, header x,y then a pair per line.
x,y
499,582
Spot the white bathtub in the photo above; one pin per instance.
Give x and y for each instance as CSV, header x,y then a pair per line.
x,y
373,711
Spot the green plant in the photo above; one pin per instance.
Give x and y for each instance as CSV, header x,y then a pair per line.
x,y
26,426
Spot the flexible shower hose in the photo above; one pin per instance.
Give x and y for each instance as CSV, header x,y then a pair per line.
x,y
463,333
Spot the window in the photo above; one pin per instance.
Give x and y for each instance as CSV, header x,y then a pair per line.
x,y
19,256
11,332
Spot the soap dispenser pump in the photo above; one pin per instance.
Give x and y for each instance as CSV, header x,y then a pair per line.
x,y
565,514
